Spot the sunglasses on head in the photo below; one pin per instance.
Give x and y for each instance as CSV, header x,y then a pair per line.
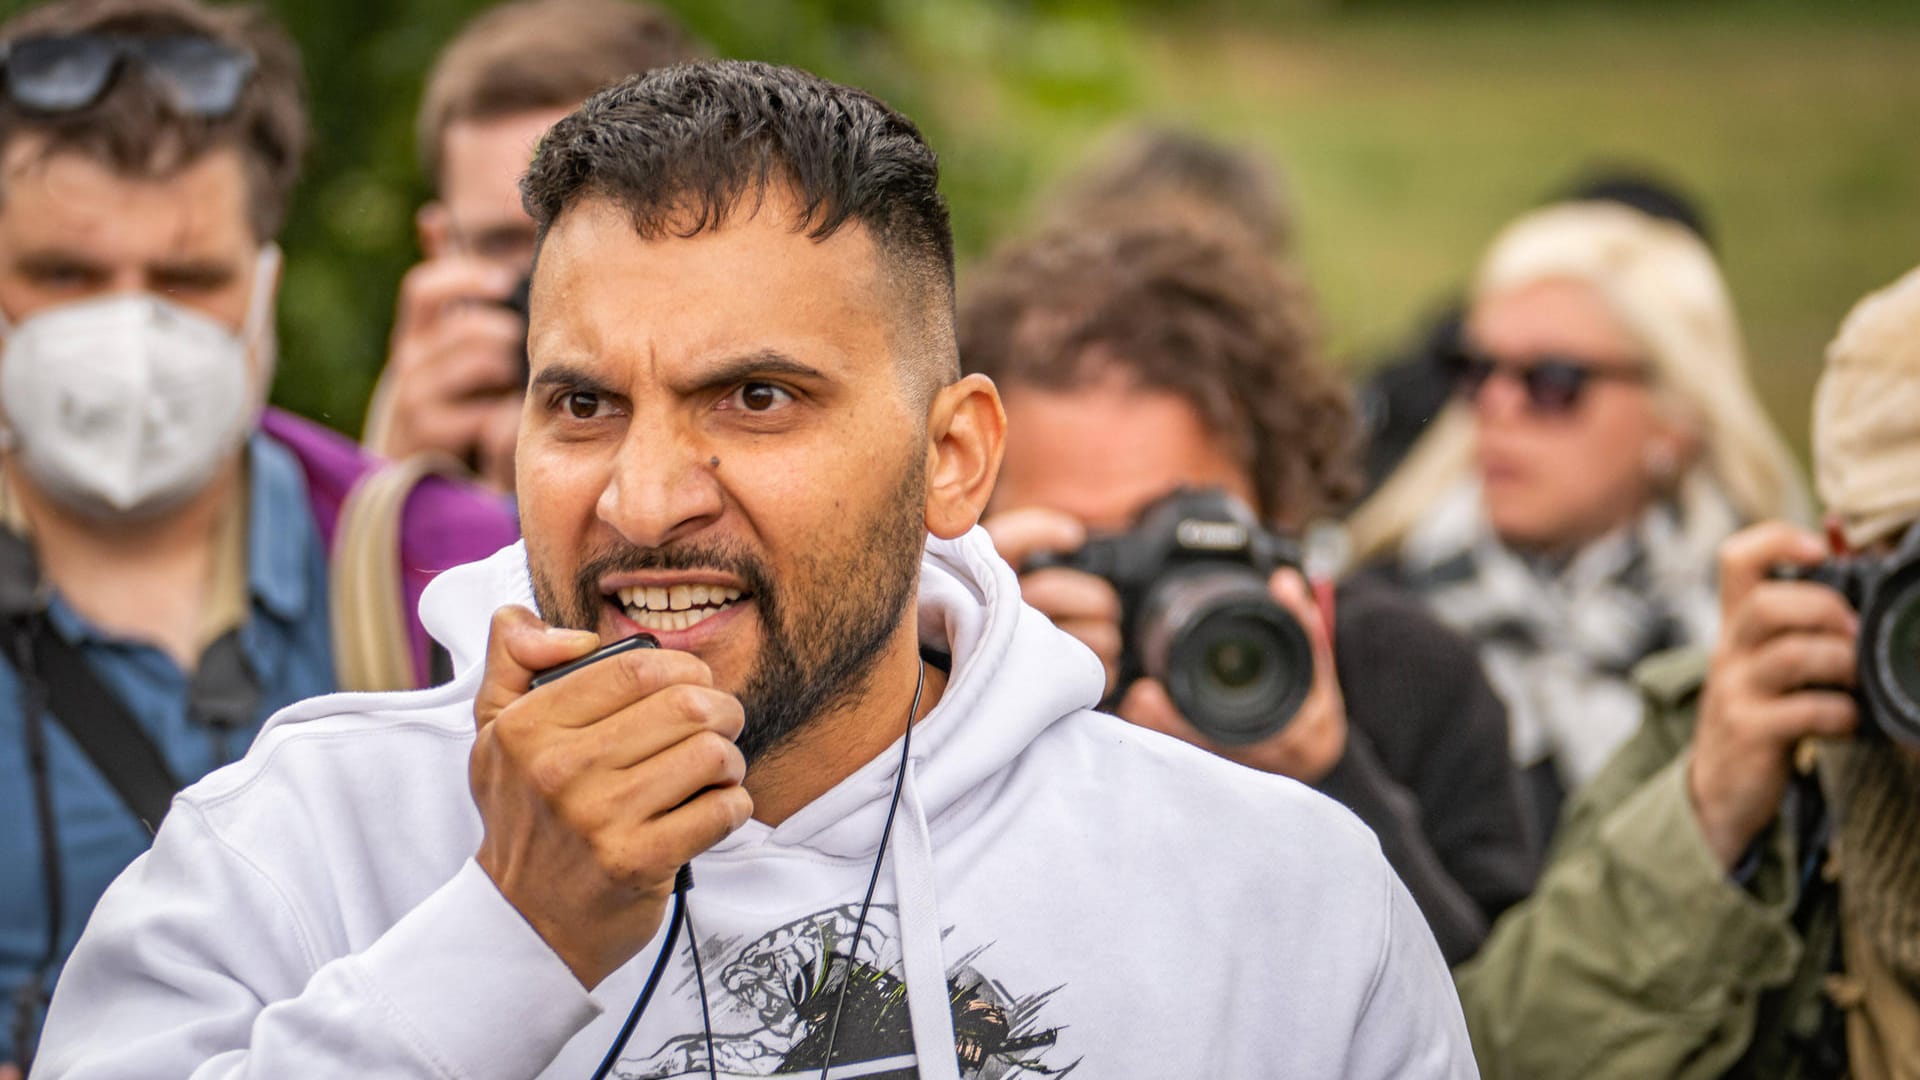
x,y
68,72
1554,385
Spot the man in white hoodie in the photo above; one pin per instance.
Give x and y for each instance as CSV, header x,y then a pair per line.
x,y
917,852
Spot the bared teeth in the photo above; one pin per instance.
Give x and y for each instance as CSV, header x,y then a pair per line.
x,y
677,607
676,597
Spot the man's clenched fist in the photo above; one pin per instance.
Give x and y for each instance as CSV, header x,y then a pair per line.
x,y
597,787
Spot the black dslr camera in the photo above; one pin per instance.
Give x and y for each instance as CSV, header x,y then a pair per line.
x,y
1196,614
1885,590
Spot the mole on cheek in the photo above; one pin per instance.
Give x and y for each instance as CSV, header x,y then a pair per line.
x,y
713,462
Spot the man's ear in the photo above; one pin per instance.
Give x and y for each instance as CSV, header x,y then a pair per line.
x,y
966,436
435,227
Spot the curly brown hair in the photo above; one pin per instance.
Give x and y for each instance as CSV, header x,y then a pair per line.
x,y
1182,310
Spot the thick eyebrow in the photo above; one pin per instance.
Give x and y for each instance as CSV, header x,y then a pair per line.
x,y
565,376
207,273
729,372
756,364
43,263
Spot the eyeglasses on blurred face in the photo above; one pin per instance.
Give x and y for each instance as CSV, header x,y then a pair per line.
x,y
68,72
1554,384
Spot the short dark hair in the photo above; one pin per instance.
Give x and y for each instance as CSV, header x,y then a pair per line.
x,y
542,54
1183,310
136,130
680,149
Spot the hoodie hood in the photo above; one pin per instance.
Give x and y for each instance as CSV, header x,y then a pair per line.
x,y
1014,674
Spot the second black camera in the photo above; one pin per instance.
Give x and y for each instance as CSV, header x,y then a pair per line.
x,y
1197,615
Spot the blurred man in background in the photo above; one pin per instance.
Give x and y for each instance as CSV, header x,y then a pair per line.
x,y
1136,360
456,370
1718,903
165,574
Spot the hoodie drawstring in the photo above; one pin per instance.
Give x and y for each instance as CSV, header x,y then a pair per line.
x,y
929,1004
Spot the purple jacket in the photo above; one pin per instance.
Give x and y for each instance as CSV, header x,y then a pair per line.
x,y
445,523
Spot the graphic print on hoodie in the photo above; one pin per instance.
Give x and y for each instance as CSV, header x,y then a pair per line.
x,y
787,983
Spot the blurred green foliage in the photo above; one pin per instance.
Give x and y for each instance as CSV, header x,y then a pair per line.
x,y
1408,131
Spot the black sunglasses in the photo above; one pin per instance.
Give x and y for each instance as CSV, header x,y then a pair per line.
x,y
1554,384
203,77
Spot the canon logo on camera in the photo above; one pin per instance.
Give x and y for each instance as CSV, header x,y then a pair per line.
x,y
1196,534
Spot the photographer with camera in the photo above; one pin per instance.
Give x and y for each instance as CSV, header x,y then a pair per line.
x,y
1737,893
456,370
1140,360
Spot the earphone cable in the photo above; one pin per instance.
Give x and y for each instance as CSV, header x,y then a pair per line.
x,y
873,879
700,980
682,882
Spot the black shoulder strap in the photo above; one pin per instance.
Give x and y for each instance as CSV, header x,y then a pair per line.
x,y
97,719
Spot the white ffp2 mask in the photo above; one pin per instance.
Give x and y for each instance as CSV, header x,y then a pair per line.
x,y
124,406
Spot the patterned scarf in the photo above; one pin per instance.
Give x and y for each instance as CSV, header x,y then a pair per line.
x,y
1559,638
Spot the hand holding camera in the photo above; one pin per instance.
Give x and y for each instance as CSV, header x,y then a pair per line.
x,y
1202,620
1084,605
456,365
1783,670
596,788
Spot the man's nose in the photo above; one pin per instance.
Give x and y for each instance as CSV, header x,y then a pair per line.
x,y
663,488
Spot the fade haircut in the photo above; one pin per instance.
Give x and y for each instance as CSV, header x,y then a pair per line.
x,y
533,55
684,149
1185,311
135,130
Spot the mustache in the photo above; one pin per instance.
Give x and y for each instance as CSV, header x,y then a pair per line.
x,y
617,558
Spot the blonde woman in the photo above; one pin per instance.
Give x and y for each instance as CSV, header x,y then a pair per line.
x,y
1603,440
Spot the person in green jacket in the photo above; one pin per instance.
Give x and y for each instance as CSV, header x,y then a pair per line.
x,y
1737,892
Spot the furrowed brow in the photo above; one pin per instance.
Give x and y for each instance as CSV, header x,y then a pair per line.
x,y
572,379
764,364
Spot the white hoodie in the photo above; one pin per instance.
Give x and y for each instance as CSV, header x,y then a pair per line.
x,y
1063,891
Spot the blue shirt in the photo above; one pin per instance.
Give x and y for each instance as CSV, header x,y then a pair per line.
x,y
285,640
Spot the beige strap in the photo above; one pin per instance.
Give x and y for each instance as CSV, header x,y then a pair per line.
x,y
372,649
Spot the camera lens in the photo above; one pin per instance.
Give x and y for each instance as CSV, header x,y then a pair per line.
x,y
1894,647
1236,664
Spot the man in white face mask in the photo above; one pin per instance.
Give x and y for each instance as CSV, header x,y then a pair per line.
x,y
164,541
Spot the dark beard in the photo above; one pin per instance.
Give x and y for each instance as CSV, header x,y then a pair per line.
x,y
849,607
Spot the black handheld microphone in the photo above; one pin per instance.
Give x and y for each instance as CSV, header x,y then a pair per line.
x,y
604,652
